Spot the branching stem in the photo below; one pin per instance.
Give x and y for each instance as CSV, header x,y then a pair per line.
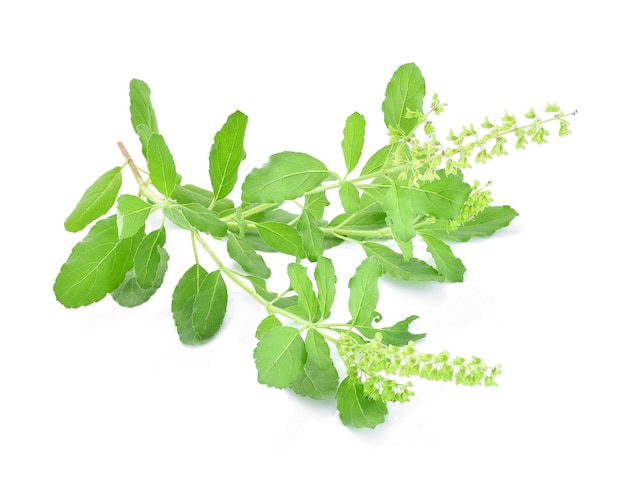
x,y
143,185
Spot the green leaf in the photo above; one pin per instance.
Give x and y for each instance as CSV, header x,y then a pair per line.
x,y
316,383
316,203
394,264
142,114
129,294
301,283
376,161
132,213
266,325
317,349
96,201
319,378
399,209
209,308
290,303
241,221
442,198
183,299
192,194
295,309
372,217
397,334
331,241
199,304
326,281
273,215
144,133
364,291
353,139
406,247
311,235
287,175
195,216
447,263
281,237
349,197
357,410
148,258
227,154
485,223
96,266
161,165
405,91
260,287
280,356
243,253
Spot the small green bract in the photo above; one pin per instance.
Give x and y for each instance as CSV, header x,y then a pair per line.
x,y
411,190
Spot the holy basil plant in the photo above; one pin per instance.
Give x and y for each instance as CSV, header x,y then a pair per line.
x,y
411,190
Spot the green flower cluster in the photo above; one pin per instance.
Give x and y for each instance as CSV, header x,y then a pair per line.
x,y
425,161
384,368
477,201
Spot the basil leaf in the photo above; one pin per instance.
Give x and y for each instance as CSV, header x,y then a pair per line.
x,y
326,281
376,161
319,378
301,283
353,140
397,334
349,197
142,115
371,217
183,299
441,198
195,216
209,307
260,287
447,264
243,253
394,264
399,209
280,356
161,165
148,258
311,235
316,383
130,294
266,325
274,215
132,213
227,154
317,349
315,204
281,237
405,91
96,266
364,291
199,304
192,194
287,175
95,201
355,409
486,223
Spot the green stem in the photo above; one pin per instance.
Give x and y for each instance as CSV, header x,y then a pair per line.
x,y
194,247
237,279
383,233
250,211
143,186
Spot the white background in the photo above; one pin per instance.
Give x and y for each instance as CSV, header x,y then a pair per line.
x,y
105,400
